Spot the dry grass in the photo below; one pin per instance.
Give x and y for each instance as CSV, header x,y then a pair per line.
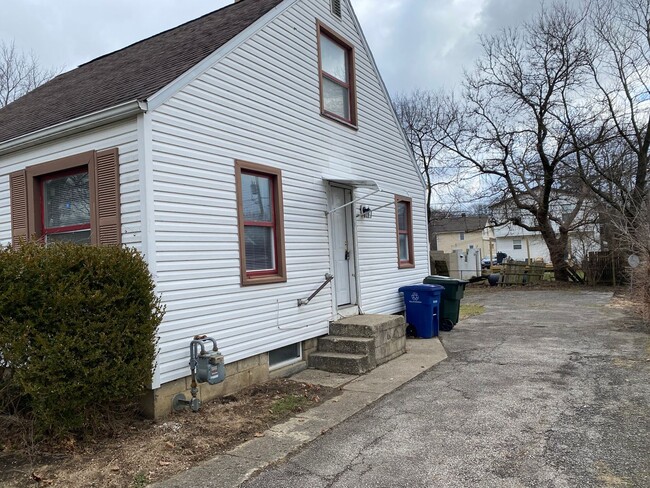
x,y
146,451
468,310
609,479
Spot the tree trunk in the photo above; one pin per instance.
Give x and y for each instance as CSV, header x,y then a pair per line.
x,y
557,248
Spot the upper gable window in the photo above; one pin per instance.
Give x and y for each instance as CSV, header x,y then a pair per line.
x,y
336,67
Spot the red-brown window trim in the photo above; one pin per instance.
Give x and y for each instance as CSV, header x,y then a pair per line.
x,y
34,197
105,225
280,273
410,263
56,230
322,29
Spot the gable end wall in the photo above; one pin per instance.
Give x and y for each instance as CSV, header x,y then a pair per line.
x,y
260,103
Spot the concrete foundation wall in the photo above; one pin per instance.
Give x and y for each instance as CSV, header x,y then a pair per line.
x,y
390,340
157,403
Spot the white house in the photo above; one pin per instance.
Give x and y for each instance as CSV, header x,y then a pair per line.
x,y
521,244
235,152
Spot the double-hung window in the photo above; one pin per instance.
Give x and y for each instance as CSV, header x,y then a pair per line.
x,y
336,70
404,220
261,227
65,204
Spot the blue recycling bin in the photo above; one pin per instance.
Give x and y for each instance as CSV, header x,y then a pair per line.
x,y
423,308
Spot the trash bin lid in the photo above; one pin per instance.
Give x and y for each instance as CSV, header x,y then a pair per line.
x,y
422,288
444,278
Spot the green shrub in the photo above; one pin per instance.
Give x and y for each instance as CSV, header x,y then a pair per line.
x,y
77,332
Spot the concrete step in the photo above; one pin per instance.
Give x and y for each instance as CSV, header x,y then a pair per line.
x,y
350,345
369,325
337,362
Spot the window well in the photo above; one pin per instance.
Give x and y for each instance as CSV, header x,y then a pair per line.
x,y
285,355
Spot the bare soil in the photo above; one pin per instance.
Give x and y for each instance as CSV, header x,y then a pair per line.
x,y
145,451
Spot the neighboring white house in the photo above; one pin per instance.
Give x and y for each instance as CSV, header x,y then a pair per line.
x,y
521,244
235,152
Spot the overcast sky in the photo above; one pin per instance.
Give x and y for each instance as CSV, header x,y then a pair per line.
x,y
417,43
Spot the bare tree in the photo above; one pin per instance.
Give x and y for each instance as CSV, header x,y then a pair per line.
x,y
617,171
19,73
419,113
520,106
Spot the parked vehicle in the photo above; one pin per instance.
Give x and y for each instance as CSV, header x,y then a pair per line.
x,y
485,262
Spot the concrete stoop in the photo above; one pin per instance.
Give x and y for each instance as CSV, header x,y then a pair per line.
x,y
360,343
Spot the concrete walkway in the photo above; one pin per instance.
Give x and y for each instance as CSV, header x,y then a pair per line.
x,y
546,389
239,464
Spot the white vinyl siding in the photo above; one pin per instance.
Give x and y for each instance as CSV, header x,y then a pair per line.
x,y
261,104
121,135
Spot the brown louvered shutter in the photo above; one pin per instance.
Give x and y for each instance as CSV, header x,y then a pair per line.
x,y
19,210
107,198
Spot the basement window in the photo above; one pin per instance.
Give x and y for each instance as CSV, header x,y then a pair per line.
x,y
285,356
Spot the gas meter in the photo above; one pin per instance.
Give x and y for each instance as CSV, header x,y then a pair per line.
x,y
206,367
210,368
207,364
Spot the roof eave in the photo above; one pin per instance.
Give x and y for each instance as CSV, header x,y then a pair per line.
x,y
74,126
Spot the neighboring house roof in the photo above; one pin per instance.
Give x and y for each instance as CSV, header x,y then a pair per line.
x,y
133,73
459,224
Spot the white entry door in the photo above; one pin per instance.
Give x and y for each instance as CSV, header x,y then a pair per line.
x,y
342,229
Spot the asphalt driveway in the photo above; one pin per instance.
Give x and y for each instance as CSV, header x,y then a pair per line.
x,y
545,389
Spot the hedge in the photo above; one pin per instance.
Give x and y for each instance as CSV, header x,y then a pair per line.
x,y
77,333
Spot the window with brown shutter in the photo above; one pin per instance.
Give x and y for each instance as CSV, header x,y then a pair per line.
x,y
73,199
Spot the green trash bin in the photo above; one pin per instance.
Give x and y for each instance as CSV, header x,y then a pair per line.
x,y
454,292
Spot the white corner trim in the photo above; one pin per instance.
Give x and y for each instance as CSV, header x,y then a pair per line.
x,y
163,95
383,87
147,217
145,176
69,127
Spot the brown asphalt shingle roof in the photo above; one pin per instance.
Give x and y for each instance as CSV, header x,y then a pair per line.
x,y
459,224
133,73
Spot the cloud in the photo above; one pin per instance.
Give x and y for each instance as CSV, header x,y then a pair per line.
x,y
417,43
427,44
66,33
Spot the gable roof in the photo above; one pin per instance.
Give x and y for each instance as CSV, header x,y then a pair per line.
x,y
134,73
459,224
